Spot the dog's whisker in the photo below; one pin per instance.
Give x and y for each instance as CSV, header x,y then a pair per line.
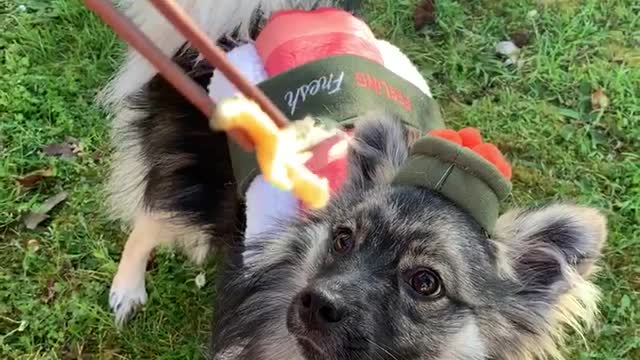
x,y
313,344
380,347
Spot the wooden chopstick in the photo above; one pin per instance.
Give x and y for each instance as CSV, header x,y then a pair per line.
x,y
128,31
216,57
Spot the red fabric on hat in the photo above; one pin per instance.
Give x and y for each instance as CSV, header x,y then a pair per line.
x,y
447,134
471,137
492,154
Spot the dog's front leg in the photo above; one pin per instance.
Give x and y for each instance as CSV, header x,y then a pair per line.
x,y
128,286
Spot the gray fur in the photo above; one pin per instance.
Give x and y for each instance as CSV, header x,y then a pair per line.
x,y
502,298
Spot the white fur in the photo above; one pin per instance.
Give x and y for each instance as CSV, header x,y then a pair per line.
x,y
126,181
245,58
266,207
128,285
396,61
124,300
466,345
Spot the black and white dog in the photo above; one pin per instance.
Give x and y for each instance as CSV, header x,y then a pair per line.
x,y
384,272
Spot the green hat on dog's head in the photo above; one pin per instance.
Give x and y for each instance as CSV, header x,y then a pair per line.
x,y
473,174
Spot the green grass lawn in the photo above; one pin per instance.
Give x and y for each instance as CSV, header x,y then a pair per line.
x,y
54,56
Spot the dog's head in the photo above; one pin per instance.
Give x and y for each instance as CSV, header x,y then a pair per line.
x,y
400,272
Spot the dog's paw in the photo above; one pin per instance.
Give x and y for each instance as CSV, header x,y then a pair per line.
x,y
124,302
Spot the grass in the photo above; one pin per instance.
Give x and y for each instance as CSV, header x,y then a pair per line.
x,y
54,56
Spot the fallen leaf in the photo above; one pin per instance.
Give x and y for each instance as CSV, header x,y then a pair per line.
x,y
33,219
599,100
424,14
35,177
68,150
520,38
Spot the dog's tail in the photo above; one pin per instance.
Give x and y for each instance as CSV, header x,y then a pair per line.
x,y
218,18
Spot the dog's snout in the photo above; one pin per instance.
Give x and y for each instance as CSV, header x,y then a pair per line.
x,y
318,309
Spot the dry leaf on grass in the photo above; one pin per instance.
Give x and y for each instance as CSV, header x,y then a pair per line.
x,y
424,14
32,219
35,177
599,100
520,38
69,149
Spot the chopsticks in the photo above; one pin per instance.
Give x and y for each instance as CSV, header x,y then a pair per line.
x,y
128,31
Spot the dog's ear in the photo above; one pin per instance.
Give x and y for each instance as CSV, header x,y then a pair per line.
x,y
378,148
551,252
542,244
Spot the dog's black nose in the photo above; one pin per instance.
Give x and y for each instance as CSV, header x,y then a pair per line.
x,y
319,310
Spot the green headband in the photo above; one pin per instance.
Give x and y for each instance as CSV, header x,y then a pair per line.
x,y
458,173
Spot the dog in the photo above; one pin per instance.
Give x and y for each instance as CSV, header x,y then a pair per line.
x,y
385,271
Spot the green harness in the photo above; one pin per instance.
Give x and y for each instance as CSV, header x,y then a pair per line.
x,y
336,90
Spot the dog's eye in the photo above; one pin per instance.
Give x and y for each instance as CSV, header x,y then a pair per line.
x,y
426,283
342,240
